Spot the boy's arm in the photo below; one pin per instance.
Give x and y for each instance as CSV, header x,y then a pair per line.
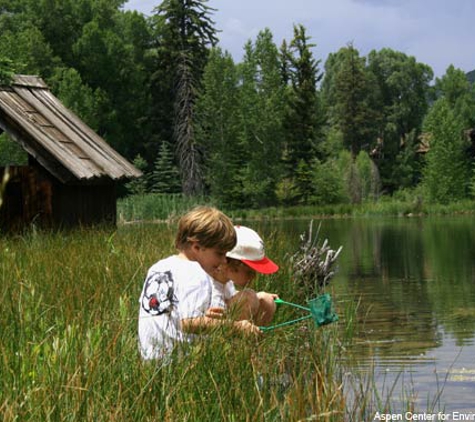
x,y
205,324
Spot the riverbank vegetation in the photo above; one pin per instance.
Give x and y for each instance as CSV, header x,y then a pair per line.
x,y
167,207
68,349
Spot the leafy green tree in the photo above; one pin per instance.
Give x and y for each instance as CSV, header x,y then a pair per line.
x,y
165,177
459,93
6,71
368,176
185,32
261,117
108,60
328,183
446,174
105,48
402,85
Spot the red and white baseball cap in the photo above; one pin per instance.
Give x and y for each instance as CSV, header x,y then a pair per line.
x,y
250,250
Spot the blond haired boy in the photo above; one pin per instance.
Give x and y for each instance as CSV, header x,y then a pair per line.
x,y
176,294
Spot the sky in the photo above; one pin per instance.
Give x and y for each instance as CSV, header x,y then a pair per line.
x,y
436,32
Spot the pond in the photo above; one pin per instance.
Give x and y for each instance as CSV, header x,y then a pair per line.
x,y
414,281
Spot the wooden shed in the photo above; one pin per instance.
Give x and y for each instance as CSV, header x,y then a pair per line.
x,y
72,172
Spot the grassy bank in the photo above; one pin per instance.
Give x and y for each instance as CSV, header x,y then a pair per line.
x,y
151,207
68,349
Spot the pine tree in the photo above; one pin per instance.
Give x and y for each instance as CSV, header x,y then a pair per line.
x,y
261,116
138,186
303,120
185,34
165,177
217,114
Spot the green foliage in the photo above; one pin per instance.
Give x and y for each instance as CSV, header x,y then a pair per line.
x,y
186,31
261,113
165,177
446,156
11,153
156,206
138,186
217,128
349,97
369,177
402,86
303,120
244,133
6,71
328,183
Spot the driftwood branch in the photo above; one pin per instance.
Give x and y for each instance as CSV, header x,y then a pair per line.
x,y
313,265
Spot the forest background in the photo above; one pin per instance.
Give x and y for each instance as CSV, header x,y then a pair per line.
x,y
279,128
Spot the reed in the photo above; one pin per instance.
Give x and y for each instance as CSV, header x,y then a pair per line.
x,y
68,347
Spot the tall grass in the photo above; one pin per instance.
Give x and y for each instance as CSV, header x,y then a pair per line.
x,y
68,345
156,206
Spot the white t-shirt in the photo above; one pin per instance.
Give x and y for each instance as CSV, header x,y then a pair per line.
x,y
174,289
221,293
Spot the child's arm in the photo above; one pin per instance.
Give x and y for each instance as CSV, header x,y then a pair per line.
x,y
206,324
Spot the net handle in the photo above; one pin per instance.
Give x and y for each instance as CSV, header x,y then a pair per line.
x,y
283,302
284,324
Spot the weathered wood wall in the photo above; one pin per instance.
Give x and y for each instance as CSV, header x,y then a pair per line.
x,y
33,196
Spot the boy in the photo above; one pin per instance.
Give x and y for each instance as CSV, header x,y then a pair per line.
x,y
243,261
177,290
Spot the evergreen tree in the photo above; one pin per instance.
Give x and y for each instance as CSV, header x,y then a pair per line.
x,y
185,33
351,99
303,119
165,177
138,186
261,114
218,128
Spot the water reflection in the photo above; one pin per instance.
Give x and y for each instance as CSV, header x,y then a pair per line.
x,y
415,282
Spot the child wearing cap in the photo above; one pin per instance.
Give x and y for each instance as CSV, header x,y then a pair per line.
x,y
243,262
176,295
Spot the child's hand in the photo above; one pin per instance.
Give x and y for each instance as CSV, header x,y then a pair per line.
x,y
215,313
248,328
273,296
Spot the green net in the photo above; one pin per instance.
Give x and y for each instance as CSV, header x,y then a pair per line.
x,y
320,310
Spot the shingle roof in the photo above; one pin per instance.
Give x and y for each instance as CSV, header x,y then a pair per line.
x,y
58,139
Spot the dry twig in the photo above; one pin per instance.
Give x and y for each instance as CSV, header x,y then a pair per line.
x,y
314,265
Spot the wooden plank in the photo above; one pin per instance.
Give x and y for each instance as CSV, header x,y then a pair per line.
x,y
87,169
29,80
53,148
40,154
64,127
92,143
91,138
51,132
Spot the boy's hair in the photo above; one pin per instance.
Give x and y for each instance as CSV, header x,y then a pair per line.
x,y
208,226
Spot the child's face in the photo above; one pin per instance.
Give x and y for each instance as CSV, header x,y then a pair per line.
x,y
241,274
209,258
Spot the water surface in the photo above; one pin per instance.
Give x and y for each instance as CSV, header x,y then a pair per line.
x,y
414,279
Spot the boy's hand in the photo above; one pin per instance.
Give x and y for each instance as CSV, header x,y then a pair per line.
x,y
248,328
215,313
